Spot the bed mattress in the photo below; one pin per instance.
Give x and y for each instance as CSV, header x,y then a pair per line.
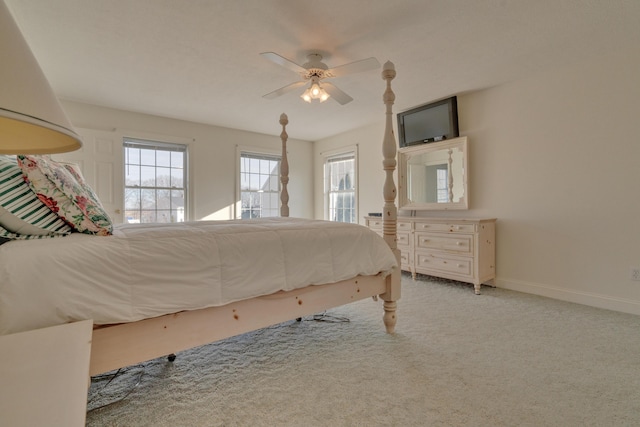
x,y
148,270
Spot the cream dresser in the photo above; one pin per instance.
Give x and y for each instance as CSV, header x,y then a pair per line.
x,y
458,249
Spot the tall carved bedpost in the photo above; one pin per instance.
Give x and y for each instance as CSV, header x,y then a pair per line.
x,y
390,212
284,168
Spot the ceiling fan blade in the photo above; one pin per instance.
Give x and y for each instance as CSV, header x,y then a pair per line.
x,y
354,67
337,94
278,92
284,62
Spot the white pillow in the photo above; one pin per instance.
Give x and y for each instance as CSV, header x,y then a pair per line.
x,y
16,225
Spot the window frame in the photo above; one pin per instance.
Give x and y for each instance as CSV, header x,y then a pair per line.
x,y
257,152
158,145
326,160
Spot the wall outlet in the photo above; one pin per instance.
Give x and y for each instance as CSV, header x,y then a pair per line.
x,y
635,273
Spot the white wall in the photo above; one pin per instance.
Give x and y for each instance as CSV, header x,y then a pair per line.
x,y
212,156
556,158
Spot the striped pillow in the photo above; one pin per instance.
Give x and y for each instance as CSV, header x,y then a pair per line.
x,y
23,214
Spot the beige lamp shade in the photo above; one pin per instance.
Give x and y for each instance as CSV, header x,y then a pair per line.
x,y
31,118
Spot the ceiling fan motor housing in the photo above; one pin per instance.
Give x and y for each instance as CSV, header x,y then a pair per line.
x,y
315,67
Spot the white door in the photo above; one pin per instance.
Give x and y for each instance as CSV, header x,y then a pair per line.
x,y
101,162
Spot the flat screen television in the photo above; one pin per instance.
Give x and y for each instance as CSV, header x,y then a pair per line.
x,y
432,122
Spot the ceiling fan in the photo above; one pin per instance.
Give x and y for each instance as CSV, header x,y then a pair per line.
x,y
316,71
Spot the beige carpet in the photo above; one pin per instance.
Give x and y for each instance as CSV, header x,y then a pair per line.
x,y
500,359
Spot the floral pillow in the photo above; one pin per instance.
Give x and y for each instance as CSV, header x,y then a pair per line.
x,y
67,194
22,214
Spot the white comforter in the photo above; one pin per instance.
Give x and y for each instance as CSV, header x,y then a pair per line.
x,y
147,270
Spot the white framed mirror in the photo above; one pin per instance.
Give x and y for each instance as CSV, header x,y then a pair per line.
x,y
433,176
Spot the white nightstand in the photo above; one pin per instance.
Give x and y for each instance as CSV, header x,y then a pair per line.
x,y
44,376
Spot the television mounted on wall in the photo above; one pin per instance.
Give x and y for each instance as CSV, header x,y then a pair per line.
x,y
432,122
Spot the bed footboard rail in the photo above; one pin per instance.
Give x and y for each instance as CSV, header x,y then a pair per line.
x,y
126,344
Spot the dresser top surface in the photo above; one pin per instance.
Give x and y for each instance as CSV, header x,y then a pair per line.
x,y
437,220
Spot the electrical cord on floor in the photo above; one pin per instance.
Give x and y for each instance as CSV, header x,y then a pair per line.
x,y
321,317
330,318
112,376
324,317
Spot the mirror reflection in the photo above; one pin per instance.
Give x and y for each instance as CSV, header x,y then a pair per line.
x,y
433,175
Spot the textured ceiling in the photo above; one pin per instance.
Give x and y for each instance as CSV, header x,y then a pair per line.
x,y
199,60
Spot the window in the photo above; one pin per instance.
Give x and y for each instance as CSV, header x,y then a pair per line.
x,y
155,178
340,187
259,185
442,185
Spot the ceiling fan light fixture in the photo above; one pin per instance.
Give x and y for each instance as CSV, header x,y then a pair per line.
x,y
315,92
306,95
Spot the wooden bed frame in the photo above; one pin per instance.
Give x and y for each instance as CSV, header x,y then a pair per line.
x,y
116,346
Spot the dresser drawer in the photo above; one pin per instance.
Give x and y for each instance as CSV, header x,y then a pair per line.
x,y
404,259
437,262
404,226
375,224
446,228
403,229
461,244
403,238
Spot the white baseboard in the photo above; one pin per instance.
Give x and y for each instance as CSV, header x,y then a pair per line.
x,y
585,298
